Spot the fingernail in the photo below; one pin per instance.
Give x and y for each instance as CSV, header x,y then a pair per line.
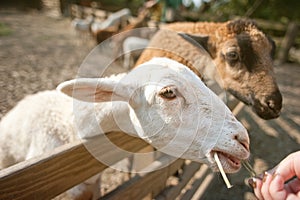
x,y
265,177
274,176
259,176
252,182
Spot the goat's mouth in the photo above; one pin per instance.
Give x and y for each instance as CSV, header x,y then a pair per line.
x,y
230,163
265,112
268,109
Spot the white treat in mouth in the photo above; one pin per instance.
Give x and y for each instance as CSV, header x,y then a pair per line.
x,y
228,184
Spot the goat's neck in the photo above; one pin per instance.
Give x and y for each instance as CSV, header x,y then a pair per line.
x,y
203,64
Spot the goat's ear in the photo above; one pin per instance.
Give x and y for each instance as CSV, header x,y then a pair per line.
x,y
95,90
196,40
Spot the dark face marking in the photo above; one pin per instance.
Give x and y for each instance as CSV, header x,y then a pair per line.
x,y
248,55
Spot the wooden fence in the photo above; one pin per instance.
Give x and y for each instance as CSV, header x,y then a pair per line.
x,y
288,32
83,12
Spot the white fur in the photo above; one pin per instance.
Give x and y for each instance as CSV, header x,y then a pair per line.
x,y
130,45
192,125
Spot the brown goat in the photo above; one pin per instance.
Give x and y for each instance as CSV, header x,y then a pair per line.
x,y
242,56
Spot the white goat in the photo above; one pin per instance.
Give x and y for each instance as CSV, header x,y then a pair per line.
x,y
132,48
82,24
161,101
82,28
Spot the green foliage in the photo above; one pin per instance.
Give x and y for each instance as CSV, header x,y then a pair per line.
x,y
115,5
4,30
277,10
222,10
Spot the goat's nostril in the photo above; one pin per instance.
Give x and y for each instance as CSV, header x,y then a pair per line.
x,y
274,101
242,141
245,145
271,104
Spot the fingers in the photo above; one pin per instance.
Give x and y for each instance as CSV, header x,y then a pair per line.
x,y
265,186
256,184
277,188
292,197
273,187
276,184
293,186
290,166
269,188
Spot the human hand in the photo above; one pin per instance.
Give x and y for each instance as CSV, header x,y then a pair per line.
x,y
280,183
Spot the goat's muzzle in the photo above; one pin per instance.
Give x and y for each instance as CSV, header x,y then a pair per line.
x,y
269,107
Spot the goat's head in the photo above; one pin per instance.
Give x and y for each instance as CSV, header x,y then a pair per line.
x,y
172,110
243,57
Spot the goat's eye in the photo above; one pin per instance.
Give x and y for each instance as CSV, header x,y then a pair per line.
x,y
232,55
168,92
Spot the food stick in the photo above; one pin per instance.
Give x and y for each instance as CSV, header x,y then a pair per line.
x,y
228,184
249,168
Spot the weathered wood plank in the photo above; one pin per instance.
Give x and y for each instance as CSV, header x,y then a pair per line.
x,y
51,174
198,183
78,11
170,193
143,184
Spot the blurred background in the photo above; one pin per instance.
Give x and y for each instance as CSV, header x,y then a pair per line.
x,y
43,42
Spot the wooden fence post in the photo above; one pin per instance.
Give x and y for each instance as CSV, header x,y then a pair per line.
x,y
288,41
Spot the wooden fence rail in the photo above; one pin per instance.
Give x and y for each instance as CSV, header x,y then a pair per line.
x,y
51,174
83,12
147,184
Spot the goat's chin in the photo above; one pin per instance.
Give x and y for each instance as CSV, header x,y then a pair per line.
x,y
226,170
231,164
246,99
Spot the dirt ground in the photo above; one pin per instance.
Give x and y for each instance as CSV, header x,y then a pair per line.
x,y
41,52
